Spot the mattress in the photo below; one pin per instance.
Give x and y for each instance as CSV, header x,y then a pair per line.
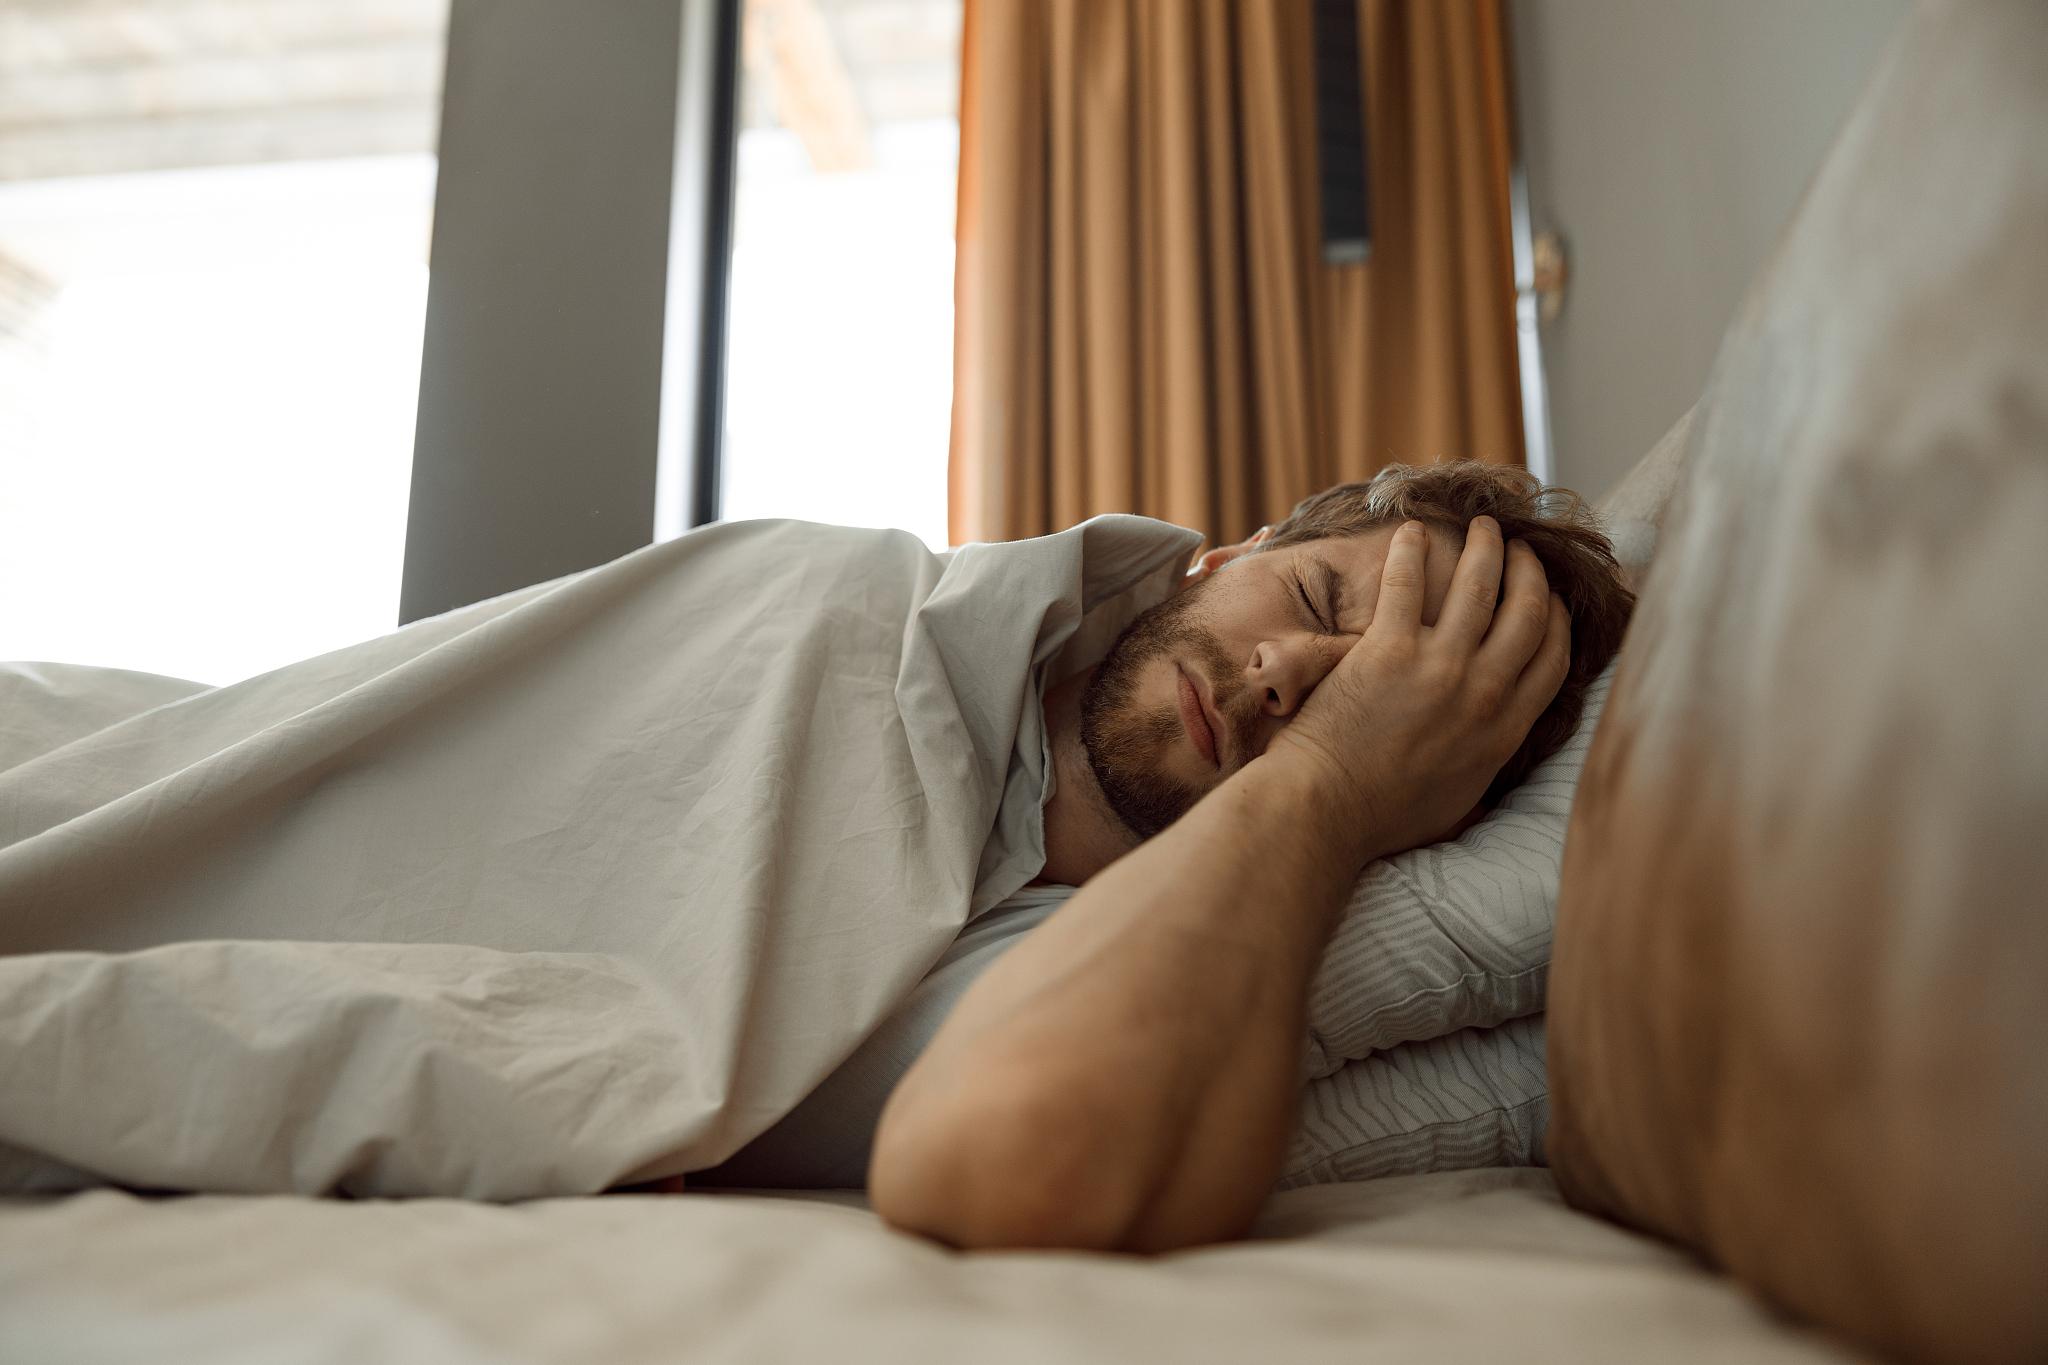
x,y
1485,1265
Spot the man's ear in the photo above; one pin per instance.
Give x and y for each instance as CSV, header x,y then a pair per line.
x,y
1223,554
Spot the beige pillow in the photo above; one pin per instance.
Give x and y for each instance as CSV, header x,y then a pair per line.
x,y
1633,510
1799,998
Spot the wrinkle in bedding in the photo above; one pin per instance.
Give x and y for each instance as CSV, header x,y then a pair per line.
x,y
587,883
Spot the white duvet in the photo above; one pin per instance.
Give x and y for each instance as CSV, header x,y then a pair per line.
x,y
584,884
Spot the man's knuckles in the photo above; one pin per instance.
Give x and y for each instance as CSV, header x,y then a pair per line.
x,y
1525,617
1487,694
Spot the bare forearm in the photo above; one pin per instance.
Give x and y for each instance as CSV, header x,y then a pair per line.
x,y
1121,1078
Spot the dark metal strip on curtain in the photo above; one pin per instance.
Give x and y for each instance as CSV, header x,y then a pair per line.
x,y
1340,134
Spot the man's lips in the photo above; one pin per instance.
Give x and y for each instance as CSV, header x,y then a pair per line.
x,y
1194,717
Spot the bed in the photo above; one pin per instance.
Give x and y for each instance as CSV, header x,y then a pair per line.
x,y
1476,1266
1892,363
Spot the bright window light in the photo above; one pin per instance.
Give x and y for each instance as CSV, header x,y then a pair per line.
x,y
840,345
212,475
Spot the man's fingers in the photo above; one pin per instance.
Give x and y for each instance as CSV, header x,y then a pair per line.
x,y
1546,671
1399,609
1475,586
1522,619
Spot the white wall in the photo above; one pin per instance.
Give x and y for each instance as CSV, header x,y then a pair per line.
x,y
1667,142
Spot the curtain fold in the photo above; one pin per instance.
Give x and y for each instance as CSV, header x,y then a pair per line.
x,y
1143,319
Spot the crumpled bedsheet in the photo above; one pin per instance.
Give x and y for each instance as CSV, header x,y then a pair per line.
x,y
586,884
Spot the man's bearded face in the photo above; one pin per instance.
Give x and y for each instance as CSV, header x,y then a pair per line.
x,y
1128,740
1199,686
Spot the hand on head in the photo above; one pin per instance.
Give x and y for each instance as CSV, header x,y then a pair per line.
x,y
1415,720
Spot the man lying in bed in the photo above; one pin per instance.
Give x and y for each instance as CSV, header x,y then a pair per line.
x,y
679,864
1361,679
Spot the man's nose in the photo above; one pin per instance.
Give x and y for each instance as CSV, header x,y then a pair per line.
x,y
1284,671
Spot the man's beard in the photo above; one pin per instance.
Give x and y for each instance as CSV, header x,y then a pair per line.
x,y
1125,739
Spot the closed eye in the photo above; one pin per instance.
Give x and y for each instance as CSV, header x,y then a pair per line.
x,y
1301,590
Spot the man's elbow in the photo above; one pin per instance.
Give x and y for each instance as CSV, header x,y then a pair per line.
x,y
997,1172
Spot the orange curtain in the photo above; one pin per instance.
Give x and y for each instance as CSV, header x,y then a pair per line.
x,y
1143,319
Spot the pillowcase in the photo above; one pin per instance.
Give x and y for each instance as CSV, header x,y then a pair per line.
x,y
1455,935
1797,1019
1424,1053
1634,508
1473,1098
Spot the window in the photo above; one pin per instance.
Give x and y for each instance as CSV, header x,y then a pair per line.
x,y
839,362
213,236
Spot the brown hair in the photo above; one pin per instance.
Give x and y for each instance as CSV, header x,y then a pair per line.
x,y
1557,524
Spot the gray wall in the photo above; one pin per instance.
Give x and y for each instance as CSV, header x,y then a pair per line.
x,y
574,266
540,381
1667,143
